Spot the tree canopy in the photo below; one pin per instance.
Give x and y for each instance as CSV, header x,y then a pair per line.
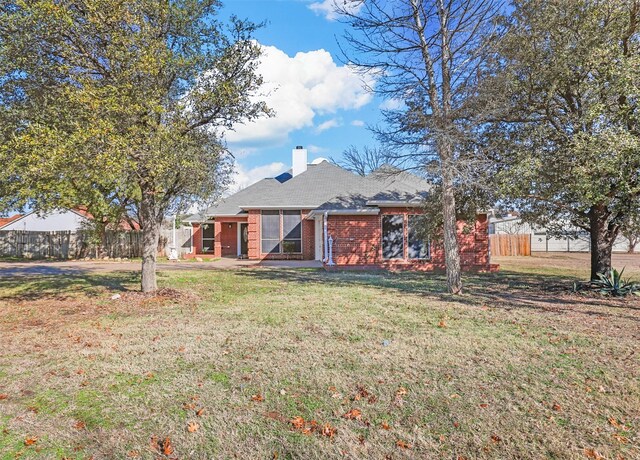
x,y
566,135
121,106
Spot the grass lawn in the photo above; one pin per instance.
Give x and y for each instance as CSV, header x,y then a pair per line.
x,y
261,363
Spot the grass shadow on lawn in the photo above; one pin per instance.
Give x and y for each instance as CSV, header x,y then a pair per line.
x,y
508,290
65,285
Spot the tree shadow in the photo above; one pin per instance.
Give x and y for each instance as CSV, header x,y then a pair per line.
x,y
64,283
507,290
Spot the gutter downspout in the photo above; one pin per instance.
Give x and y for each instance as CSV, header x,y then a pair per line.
x,y
326,237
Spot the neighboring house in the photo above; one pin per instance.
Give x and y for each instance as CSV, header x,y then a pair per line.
x,y
541,241
62,220
321,211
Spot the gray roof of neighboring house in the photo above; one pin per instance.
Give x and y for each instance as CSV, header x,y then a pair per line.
x,y
325,187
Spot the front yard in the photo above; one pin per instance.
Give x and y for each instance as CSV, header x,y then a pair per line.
x,y
261,363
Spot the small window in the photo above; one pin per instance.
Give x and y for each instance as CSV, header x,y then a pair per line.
x,y
291,232
270,232
393,237
418,247
208,237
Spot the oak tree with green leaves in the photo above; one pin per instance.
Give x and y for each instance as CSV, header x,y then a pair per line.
x,y
566,139
121,105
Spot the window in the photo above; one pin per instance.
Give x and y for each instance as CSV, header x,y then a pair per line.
x,y
208,237
281,232
291,231
418,247
270,232
393,237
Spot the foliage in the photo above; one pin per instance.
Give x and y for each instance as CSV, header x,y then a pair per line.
x,y
425,57
565,134
121,106
612,283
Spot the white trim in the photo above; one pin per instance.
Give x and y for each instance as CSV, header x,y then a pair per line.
x,y
238,242
345,212
282,208
394,204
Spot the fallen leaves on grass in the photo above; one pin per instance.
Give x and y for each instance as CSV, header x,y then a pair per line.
x,y
297,422
328,430
442,324
166,446
592,453
200,412
79,425
353,414
620,438
385,426
495,438
192,427
133,454
30,441
257,398
4,396
403,444
556,407
311,426
613,422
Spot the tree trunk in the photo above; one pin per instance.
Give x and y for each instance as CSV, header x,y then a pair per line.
x,y
450,228
602,238
150,237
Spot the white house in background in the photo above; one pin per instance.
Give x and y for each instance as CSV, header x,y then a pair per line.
x,y
57,221
541,241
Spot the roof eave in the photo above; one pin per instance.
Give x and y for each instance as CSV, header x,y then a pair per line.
x,y
345,212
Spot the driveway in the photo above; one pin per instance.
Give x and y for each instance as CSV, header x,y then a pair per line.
x,y
74,267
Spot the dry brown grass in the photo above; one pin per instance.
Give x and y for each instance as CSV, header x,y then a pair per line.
x,y
307,364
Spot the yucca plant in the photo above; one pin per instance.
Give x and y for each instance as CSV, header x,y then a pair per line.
x,y
612,283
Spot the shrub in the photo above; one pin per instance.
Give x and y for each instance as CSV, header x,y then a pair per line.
x,y
612,283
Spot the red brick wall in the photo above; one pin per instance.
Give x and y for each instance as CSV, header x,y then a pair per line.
x,y
197,239
358,240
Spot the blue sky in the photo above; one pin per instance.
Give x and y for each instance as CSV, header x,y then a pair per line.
x,y
319,102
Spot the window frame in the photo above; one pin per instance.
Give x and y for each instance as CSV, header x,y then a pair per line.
x,y
382,236
203,238
282,239
263,239
427,242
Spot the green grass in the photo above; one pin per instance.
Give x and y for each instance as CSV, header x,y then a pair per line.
x,y
517,367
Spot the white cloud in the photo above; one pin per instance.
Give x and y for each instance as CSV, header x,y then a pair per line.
x,y
243,177
297,89
325,125
357,123
391,104
328,8
315,148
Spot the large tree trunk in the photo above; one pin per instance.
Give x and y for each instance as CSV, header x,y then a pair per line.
x,y
150,237
602,237
450,228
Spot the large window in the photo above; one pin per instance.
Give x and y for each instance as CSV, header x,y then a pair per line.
x,y
270,232
281,232
291,231
208,237
417,246
393,236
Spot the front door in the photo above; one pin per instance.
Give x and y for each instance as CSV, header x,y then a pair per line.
x,y
244,240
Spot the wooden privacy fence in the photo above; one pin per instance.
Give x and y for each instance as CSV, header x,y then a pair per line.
x,y
510,245
69,245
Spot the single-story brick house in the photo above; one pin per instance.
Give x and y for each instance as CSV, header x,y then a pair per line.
x,y
320,211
